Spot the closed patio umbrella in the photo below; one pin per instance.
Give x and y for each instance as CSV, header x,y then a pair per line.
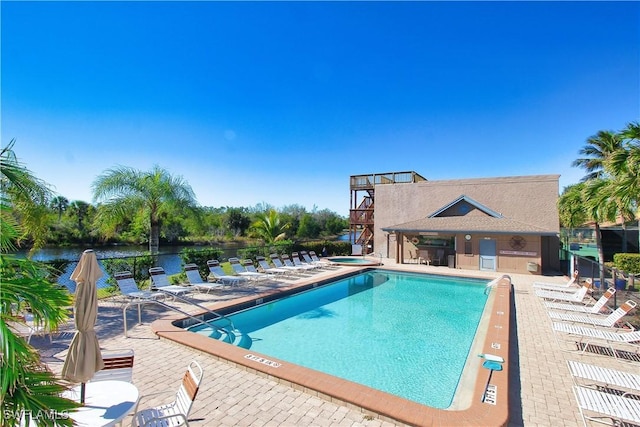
x,y
84,357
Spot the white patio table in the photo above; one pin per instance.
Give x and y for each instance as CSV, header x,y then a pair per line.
x,y
106,402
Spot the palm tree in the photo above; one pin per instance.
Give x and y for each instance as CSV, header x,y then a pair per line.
x,y
24,199
571,207
268,228
125,192
603,168
60,205
27,387
80,210
624,165
599,147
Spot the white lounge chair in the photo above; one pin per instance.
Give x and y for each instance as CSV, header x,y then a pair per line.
x,y
607,405
308,260
588,336
130,291
605,376
599,306
254,273
118,366
596,319
275,259
558,287
288,263
134,296
220,276
295,257
577,296
177,412
266,268
160,282
193,276
327,263
241,270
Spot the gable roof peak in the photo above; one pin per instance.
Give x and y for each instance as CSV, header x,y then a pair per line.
x,y
467,199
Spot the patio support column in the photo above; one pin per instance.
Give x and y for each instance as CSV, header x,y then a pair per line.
x,y
400,249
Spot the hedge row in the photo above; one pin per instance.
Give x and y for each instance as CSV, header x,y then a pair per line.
x,y
629,263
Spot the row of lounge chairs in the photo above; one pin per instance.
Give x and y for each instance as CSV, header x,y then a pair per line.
x,y
601,393
244,271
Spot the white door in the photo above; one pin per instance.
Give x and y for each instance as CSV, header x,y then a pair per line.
x,y
487,255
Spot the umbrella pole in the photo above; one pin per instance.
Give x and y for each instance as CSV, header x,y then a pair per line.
x,y
82,386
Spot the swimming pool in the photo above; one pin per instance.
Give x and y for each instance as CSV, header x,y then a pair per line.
x,y
403,333
482,398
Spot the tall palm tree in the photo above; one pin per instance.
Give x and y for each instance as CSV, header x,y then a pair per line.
x,y
26,386
599,148
80,210
605,157
60,205
125,191
267,227
624,165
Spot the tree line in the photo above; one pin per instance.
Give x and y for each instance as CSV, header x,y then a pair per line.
x,y
150,207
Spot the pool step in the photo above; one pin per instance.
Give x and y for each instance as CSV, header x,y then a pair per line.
x,y
234,337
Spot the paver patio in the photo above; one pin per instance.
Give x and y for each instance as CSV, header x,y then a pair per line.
x,y
541,395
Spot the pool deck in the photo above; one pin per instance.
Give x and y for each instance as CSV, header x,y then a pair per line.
x,y
231,395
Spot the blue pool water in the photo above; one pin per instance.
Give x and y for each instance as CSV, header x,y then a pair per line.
x,y
406,334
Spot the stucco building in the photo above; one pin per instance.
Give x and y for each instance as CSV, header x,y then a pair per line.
x,y
505,224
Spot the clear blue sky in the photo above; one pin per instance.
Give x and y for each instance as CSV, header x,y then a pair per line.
x,y
279,103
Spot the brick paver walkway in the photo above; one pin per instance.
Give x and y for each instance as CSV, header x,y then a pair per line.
x,y
541,395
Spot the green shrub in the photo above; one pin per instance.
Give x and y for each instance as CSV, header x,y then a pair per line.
x,y
138,266
200,257
629,263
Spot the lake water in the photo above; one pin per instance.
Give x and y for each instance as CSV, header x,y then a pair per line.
x,y
168,257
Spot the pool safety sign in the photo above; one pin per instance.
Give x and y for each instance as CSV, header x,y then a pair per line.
x,y
262,360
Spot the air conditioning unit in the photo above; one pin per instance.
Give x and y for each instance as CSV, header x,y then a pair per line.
x,y
532,267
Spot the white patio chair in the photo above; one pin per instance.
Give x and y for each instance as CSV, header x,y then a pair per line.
x,y
118,366
26,327
175,413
